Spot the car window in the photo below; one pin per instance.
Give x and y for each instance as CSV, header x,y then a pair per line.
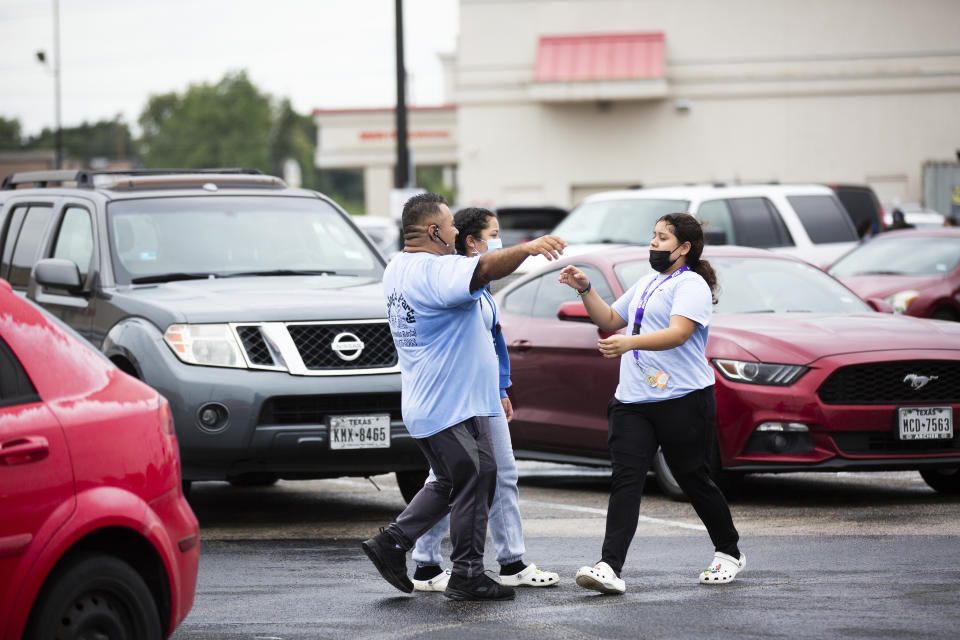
x,y
628,221
15,386
823,218
75,239
520,300
766,285
534,218
628,273
758,223
916,255
12,232
27,243
598,283
715,215
550,296
229,234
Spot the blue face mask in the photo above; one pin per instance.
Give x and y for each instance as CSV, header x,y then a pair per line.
x,y
492,245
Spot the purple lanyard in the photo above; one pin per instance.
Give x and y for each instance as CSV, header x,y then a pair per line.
x,y
645,298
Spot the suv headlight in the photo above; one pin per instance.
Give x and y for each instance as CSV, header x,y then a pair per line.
x,y
212,345
900,301
759,372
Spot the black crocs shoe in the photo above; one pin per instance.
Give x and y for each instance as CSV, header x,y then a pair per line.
x,y
481,587
390,561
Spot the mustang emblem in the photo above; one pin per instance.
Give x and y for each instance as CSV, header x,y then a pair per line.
x,y
917,381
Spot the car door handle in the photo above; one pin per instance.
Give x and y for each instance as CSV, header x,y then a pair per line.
x,y
522,345
24,450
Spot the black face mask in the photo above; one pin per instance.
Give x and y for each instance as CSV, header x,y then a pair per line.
x,y
660,260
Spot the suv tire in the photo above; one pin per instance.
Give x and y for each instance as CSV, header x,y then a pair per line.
x,y
410,482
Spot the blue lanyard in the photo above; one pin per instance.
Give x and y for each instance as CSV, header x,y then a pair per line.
x,y
645,298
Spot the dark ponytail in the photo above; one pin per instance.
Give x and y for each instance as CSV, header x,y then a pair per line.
x,y
687,229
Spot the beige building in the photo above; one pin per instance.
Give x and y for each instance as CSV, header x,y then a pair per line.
x,y
557,99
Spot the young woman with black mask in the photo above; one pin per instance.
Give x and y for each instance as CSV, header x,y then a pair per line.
x,y
664,398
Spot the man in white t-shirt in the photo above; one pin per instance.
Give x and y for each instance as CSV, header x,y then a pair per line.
x,y
437,325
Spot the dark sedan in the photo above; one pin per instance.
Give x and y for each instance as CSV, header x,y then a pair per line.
x,y
808,376
917,272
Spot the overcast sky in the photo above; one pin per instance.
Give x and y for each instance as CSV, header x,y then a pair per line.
x,y
324,54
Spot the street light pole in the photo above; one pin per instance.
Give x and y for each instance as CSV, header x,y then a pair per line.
x,y
402,177
58,158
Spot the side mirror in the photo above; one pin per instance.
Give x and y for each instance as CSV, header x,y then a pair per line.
x,y
58,273
880,305
714,236
573,312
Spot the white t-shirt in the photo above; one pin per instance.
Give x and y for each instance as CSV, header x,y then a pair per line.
x,y
686,367
446,360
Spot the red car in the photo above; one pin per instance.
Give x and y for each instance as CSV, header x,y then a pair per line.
x,y
916,271
808,376
96,538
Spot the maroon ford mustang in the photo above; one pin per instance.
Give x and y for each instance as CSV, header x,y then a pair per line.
x,y
808,376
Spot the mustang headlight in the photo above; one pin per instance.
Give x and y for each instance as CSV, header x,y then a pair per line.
x,y
212,345
900,301
759,372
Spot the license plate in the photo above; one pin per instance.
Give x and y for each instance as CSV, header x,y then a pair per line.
x,y
360,432
925,423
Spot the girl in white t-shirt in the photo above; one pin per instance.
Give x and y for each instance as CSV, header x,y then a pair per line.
x,y
664,398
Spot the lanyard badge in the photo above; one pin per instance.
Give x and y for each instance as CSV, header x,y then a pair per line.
x,y
642,304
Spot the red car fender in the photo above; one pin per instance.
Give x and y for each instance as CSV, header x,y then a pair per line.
x,y
96,509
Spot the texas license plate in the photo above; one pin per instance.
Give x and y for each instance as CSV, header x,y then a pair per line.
x,y
925,423
360,432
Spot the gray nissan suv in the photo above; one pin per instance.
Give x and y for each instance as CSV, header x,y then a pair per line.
x,y
256,309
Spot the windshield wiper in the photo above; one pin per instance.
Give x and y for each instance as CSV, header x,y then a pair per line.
x,y
170,277
278,272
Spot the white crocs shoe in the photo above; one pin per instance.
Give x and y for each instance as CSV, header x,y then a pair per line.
x,y
600,578
436,583
530,577
723,569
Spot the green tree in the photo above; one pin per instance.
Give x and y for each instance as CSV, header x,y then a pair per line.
x,y
227,124
104,139
294,137
10,139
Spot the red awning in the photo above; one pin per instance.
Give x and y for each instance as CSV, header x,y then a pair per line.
x,y
621,56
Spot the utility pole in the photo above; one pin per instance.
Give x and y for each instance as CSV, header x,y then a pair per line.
x,y
58,161
402,177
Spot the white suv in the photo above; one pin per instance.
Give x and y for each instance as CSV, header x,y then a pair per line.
x,y
807,221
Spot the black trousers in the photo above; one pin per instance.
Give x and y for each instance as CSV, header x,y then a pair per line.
x,y
462,459
684,428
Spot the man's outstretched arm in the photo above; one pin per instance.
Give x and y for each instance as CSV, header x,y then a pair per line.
x,y
494,265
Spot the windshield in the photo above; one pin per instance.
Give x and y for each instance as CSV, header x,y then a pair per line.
x,y
766,285
158,239
914,256
627,221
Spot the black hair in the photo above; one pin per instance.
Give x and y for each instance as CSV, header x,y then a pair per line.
x,y
470,221
688,229
417,209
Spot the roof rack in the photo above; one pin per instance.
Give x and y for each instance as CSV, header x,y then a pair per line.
x,y
85,178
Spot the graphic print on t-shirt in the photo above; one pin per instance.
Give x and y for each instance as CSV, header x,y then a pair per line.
x,y
401,317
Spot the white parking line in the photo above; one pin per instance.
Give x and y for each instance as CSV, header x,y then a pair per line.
x,y
603,512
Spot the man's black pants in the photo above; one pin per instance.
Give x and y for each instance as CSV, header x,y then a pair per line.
x,y
462,459
684,428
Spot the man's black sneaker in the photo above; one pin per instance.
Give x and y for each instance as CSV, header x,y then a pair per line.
x,y
390,561
481,587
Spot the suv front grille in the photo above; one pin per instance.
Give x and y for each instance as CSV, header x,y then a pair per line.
x,y
890,383
866,442
285,410
315,343
255,345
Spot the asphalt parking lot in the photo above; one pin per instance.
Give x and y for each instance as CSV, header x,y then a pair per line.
x,y
829,555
